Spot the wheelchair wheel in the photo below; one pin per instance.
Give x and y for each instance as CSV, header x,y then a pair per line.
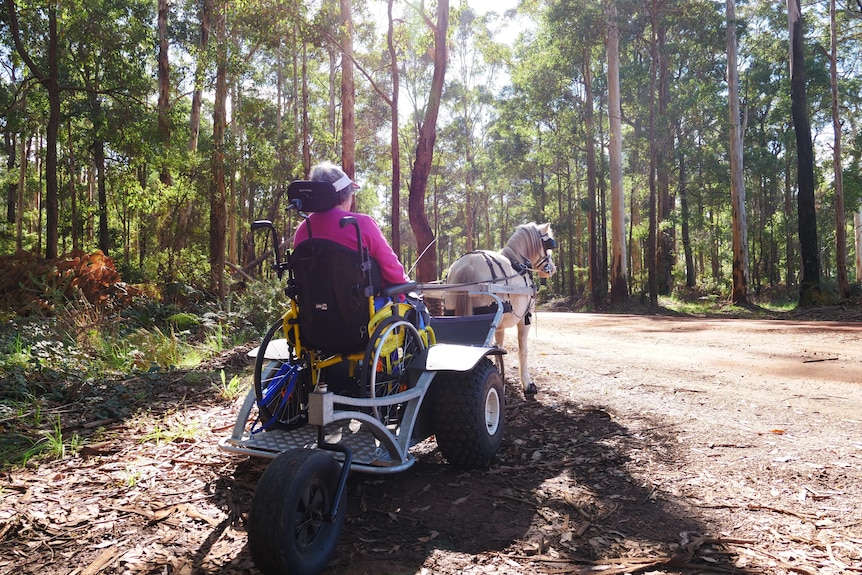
x,y
469,415
392,347
289,532
279,382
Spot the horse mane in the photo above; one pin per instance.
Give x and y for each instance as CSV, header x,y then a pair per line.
x,y
526,242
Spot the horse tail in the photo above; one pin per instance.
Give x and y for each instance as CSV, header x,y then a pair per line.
x,y
460,271
463,305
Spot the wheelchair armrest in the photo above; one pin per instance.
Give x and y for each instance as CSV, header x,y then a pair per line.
x,y
397,289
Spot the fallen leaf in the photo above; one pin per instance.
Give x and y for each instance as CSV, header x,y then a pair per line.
x,y
428,538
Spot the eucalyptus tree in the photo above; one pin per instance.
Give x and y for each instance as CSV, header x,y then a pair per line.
x,y
840,223
427,135
348,95
12,114
468,98
578,50
217,185
739,292
809,285
199,49
618,275
43,36
108,58
697,112
768,146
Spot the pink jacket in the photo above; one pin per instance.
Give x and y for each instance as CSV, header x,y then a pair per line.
x,y
324,225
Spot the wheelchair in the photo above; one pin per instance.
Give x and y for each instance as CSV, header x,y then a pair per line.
x,y
350,378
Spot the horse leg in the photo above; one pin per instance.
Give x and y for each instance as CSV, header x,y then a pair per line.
x,y
523,332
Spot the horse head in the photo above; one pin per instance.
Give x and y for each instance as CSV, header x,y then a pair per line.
x,y
545,266
533,244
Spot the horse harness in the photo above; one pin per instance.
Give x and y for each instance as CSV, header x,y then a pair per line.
x,y
523,267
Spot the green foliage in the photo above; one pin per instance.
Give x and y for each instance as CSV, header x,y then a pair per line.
x,y
260,303
231,389
172,429
183,321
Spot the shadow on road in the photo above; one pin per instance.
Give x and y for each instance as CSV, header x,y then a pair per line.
x,y
571,489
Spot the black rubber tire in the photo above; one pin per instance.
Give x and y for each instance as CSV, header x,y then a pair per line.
x,y
278,414
469,415
287,530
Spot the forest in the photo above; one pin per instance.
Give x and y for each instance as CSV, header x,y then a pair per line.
x,y
661,138
695,158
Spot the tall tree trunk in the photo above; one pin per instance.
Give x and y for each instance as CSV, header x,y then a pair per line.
x,y
739,293
242,143
73,195
602,214
789,256
665,248
10,140
200,75
809,287
840,217
619,289
164,92
218,197
857,225
22,180
348,96
426,269
51,82
395,144
52,203
652,247
102,195
597,294
685,217
306,136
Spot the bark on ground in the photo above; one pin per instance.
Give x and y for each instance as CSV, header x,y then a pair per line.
x,y
656,444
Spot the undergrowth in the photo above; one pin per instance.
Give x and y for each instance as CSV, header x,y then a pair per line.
x,y
109,363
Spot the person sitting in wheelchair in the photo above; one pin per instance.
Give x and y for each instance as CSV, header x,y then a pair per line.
x,y
325,225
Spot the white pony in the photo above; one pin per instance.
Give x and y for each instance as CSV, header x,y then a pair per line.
x,y
528,251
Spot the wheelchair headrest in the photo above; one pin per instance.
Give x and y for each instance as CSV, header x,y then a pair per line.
x,y
312,196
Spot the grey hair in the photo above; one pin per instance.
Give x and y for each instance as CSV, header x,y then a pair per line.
x,y
329,172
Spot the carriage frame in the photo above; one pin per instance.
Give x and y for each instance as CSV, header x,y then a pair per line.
x,y
411,381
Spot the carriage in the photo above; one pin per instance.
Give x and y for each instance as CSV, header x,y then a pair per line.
x,y
350,379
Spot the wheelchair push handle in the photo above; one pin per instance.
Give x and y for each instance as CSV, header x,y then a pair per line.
x,y
267,225
364,258
351,221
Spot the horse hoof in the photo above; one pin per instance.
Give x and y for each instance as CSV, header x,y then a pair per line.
x,y
531,389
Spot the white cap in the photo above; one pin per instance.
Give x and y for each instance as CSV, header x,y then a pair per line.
x,y
343,182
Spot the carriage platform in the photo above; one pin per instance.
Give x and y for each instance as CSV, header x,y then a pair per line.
x,y
377,450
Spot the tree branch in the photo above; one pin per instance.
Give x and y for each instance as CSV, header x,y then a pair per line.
x,y
19,45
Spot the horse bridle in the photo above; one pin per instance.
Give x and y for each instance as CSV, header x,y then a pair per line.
x,y
548,243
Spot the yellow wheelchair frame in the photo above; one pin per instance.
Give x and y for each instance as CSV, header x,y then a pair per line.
x,y
321,414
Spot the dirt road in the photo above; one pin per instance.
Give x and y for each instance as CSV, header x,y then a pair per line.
x,y
763,374
656,444
652,436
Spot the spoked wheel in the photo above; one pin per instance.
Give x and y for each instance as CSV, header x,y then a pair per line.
x,y
289,530
279,381
470,415
392,347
